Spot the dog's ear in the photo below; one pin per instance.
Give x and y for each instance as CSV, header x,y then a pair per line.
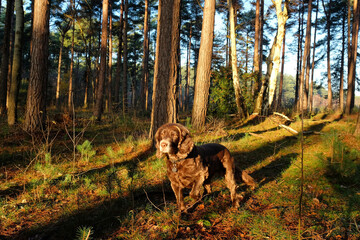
x,y
157,143
186,143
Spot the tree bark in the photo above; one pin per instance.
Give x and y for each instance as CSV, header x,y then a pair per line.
x,y
71,92
341,90
16,68
118,64
203,71
109,82
35,104
188,72
313,61
102,70
328,38
144,88
236,81
278,106
5,56
282,16
257,38
305,62
352,60
125,68
164,108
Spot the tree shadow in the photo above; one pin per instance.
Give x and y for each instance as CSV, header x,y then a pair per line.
x,y
107,216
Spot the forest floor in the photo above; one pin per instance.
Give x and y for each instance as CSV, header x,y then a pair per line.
x,y
104,179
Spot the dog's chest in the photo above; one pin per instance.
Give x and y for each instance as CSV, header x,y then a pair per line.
x,y
185,173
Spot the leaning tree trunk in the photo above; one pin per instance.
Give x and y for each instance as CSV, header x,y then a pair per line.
x,y
257,37
188,70
16,67
352,60
278,106
282,16
35,104
203,70
341,90
5,56
236,81
102,70
166,65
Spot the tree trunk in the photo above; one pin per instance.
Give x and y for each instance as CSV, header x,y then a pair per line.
x,y
313,62
144,88
166,65
118,64
328,22
36,95
102,70
16,69
202,83
352,60
341,91
125,67
109,83
281,74
257,38
71,92
236,81
5,56
305,62
282,17
188,72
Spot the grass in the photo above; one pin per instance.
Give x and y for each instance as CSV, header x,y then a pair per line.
x,y
117,189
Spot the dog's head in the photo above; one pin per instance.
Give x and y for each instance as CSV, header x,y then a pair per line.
x,y
173,140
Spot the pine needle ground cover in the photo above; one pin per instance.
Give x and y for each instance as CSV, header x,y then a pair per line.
x,y
104,182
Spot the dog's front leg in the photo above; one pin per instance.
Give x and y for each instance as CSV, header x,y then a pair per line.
x,y
179,196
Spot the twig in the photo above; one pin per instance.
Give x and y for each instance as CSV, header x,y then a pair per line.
x,y
282,115
151,201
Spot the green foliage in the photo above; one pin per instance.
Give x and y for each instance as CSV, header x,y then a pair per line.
x,y
343,162
86,150
84,233
222,100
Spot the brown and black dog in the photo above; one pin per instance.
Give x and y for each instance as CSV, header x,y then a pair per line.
x,y
190,166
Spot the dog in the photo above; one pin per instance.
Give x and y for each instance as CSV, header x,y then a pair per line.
x,y
190,166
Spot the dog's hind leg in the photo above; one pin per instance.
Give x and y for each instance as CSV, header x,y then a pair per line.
x,y
230,180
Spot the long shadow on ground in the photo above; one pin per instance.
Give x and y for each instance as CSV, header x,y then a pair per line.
x,y
106,217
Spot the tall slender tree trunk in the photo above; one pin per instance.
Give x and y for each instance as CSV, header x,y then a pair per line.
x,y
16,68
164,109
109,83
311,90
58,79
202,83
36,95
188,73
282,16
102,70
236,81
305,62
299,54
144,87
341,91
328,38
118,64
257,38
352,60
281,74
5,56
125,67
71,81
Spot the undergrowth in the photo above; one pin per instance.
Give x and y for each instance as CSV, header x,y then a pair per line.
x,y
118,189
